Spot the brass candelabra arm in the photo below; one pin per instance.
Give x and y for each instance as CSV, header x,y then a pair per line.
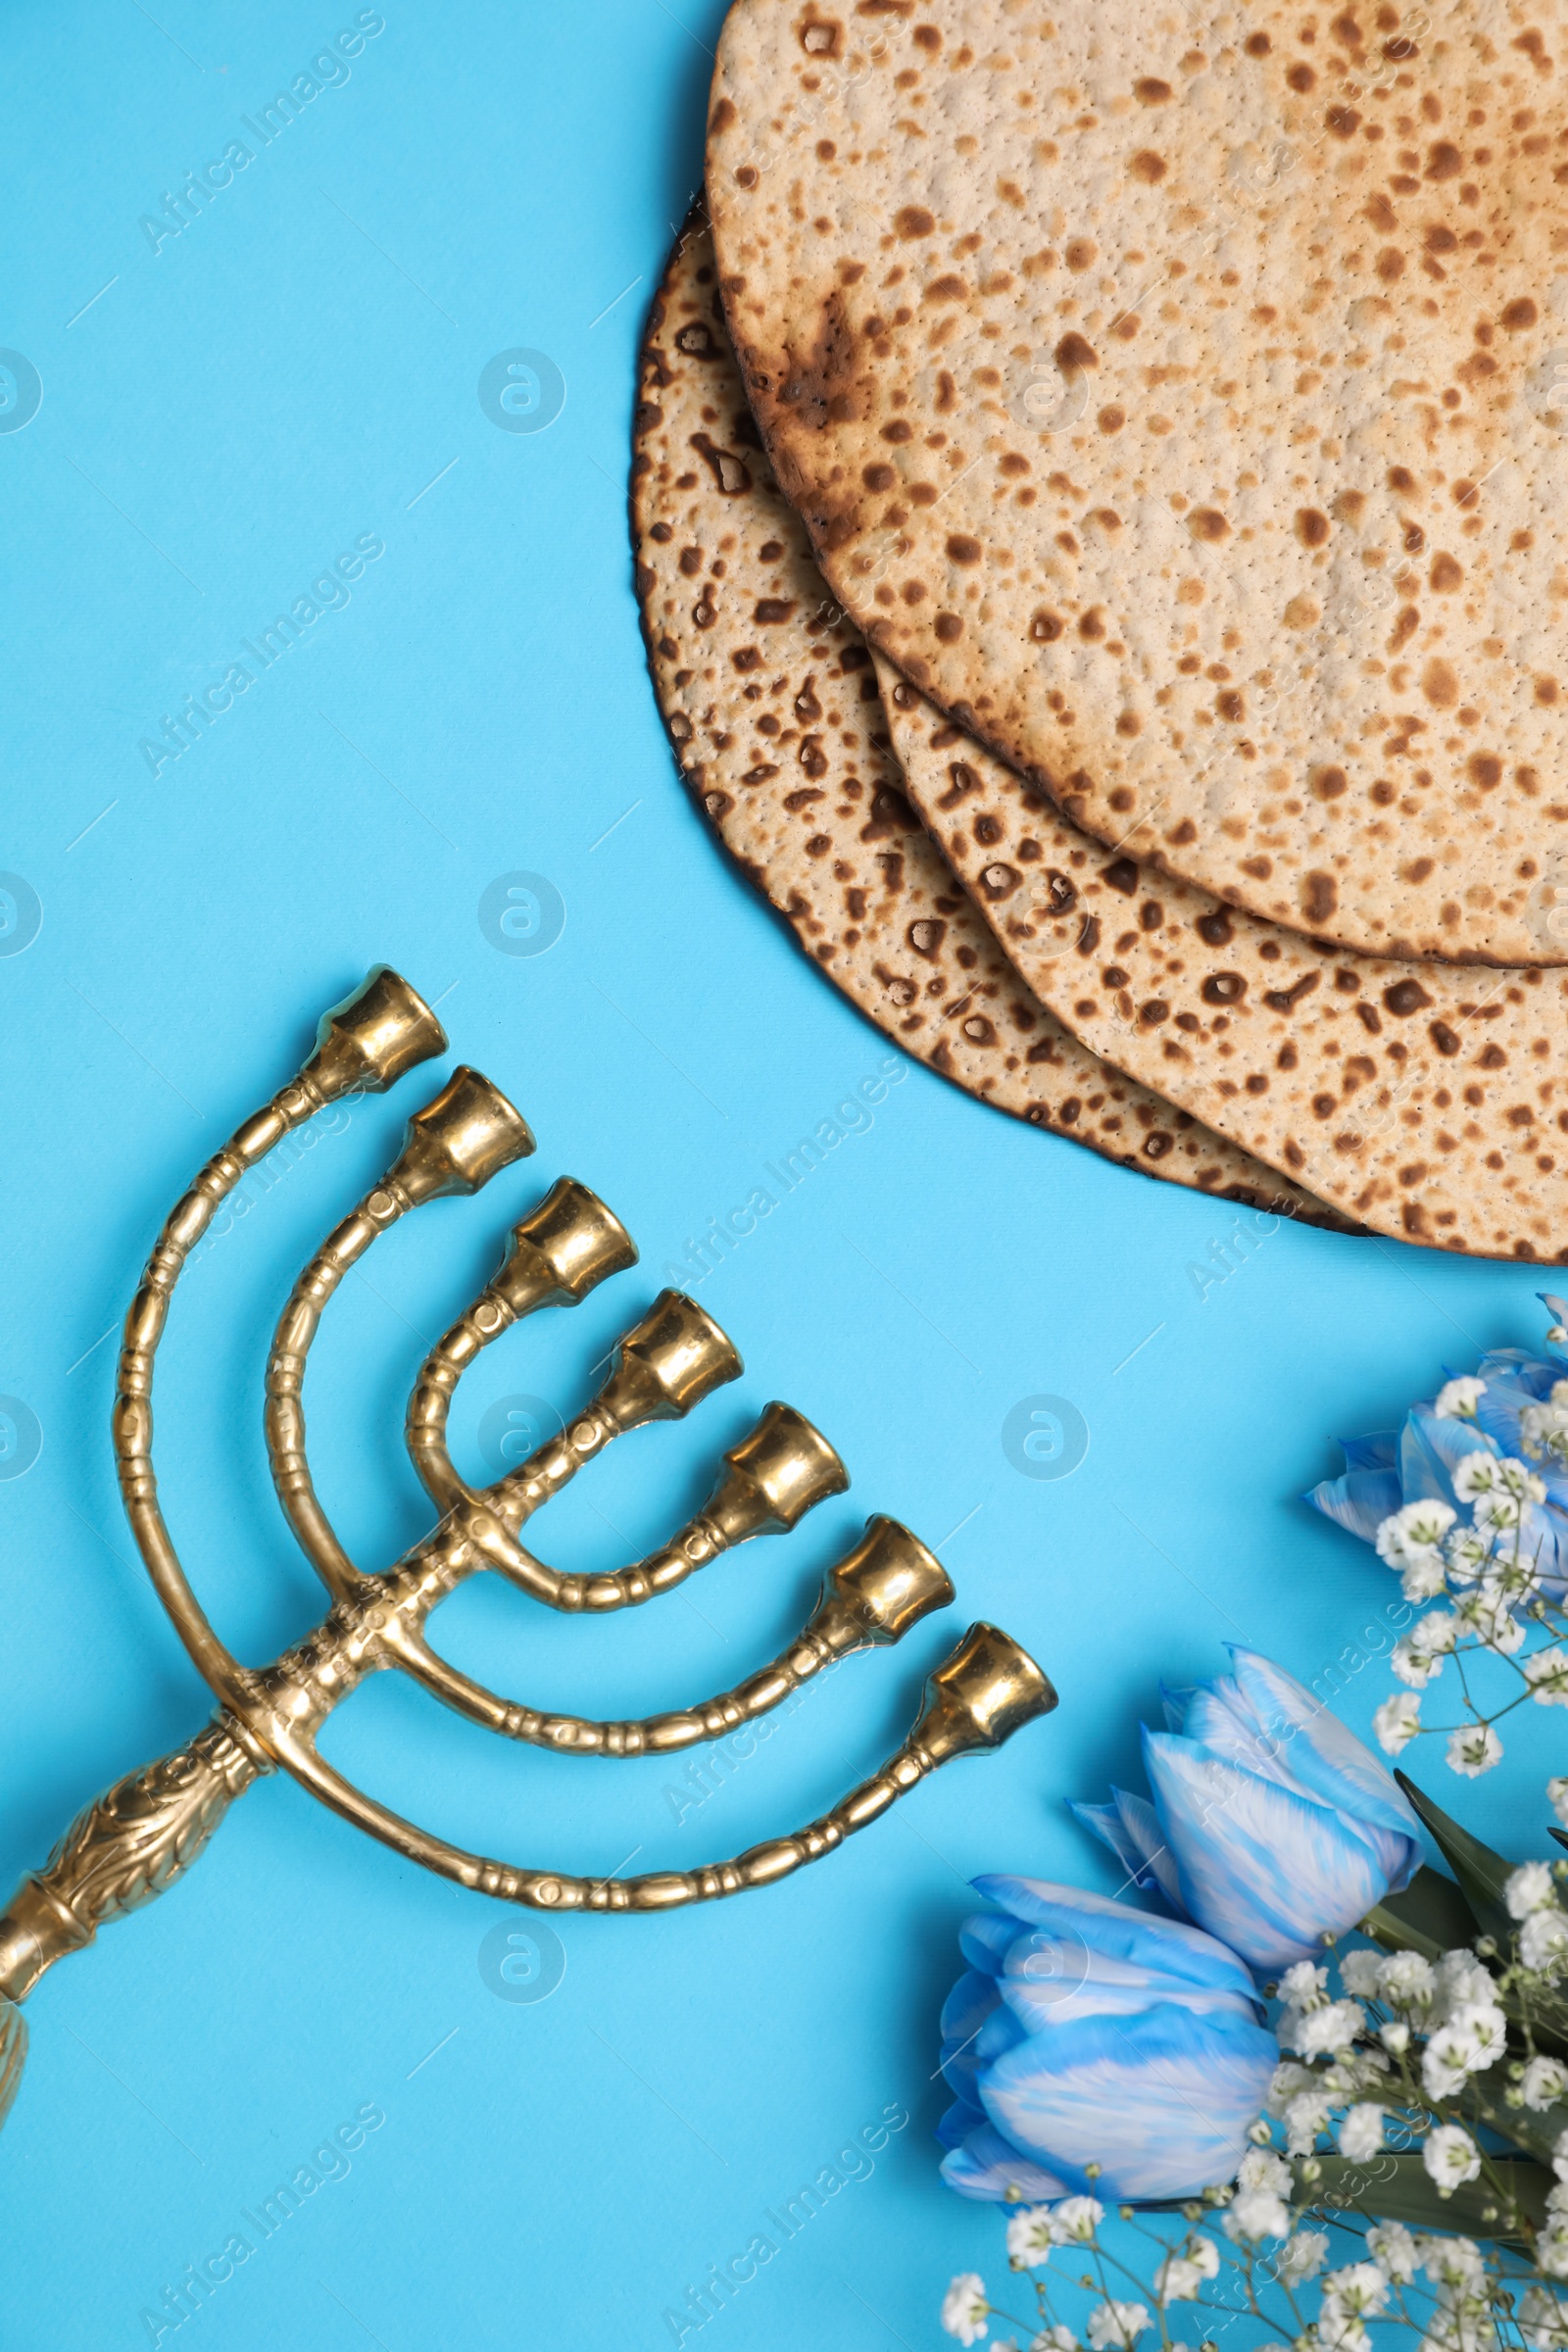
x,y
873,1596
554,1256
987,1690
781,1469
363,1044
455,1145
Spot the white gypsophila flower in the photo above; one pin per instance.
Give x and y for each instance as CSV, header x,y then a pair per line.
x,y
1559,2164
1361,1973
1397,1722
1454,2264
1288,2078
1359,2291
1256,2213
1458,1399
1177,2280
1543,1941
1304,2257
1473,1749
1361,2131
1425,1578
1394,2250
1471,2330
1029,2237
1514,1576
1413,1665
1443,2069
1436,1633
1551,2247
1476,1475
964,2307
1474,2037
1053,2340
1485,1614
1460,1980
1543,1429
1543,2320
1529,1888
1500,1515
1544,2083
1405,1980
1305,2117
1119,2324
1519,1481
1395,2037
1313,2032
1546,1673
1451,2156
1415,1527
1075,2219
1353,2072
1468,1553
1263,2169
1557,1796
1303,1982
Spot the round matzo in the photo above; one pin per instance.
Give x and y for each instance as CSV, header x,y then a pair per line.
x,y
1431,1102
1179,395
771,702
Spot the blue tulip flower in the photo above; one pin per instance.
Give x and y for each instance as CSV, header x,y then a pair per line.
x,y
1271,1825
1088,2033
1509,1410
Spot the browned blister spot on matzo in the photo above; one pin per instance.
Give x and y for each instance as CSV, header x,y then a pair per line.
x,y
772,704
1429,1100
1295,309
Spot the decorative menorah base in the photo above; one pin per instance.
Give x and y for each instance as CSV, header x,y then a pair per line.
x,y
144,1832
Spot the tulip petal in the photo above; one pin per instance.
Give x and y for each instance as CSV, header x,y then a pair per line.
x,y
1175,1703
1222,1718
1258,1865
1431,1450
1162,2103
1378,1450
1040,2004
1167,1948
968,2005
1129,1827
1517,1364
957,2121
1323,1755
988,2165
983,1940
1141,1822
1359,1501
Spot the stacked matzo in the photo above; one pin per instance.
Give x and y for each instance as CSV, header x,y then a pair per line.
x,y
1170,400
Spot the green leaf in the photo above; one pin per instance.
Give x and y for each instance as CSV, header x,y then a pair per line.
x,y
1480,1873
1399,2189
1536,2131
1431,1917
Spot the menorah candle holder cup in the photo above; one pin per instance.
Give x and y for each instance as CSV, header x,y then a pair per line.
x,y
145,1832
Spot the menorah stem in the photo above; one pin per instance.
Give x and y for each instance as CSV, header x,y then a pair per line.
x,y
123,1849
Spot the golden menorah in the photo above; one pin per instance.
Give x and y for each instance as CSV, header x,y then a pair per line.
x,y
145,1832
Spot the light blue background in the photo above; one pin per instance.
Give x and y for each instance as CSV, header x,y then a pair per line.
x,y
225,416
